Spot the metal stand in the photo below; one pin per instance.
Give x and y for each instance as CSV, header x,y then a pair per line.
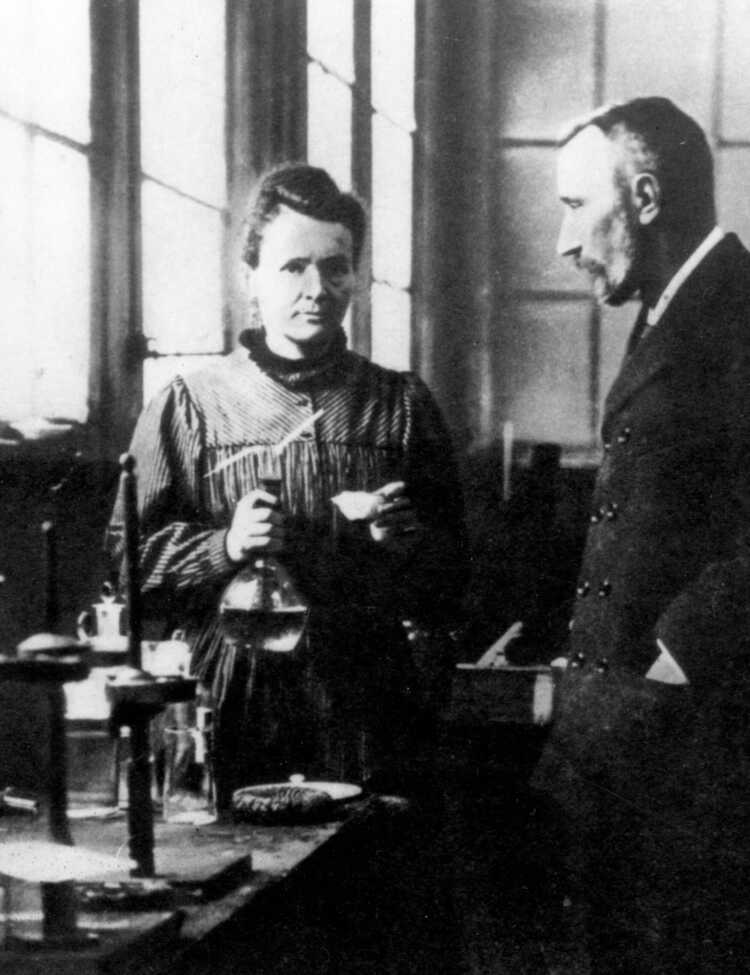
x,y
137,696
51,661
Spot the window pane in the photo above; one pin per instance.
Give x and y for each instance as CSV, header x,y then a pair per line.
x,y
182,287
544,58
59,333
638,63
15,271
392,43
45,63
524,190
392,203
391,327
330,34
735,107
158,372
16,57
543,369
182,95
62,66
329,124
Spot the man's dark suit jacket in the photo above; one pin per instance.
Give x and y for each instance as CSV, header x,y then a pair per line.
x,y
655,778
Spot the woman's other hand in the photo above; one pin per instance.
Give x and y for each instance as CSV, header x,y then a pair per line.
x,y
396,525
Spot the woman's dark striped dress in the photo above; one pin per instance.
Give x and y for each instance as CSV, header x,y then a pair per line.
x,y
340,705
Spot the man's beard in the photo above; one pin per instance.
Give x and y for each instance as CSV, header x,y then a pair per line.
x,y
624,275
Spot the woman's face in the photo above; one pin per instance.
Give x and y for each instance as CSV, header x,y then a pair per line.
x,y
303,282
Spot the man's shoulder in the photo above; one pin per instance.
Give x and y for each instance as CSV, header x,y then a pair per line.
x,y
720,315
732,264
718,297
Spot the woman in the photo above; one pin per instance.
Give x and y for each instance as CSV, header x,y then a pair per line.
x,y
343,704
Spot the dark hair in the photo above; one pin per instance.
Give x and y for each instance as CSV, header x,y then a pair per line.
x,y
306,189
659,138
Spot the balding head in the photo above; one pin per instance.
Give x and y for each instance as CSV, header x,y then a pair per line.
x,y
655,137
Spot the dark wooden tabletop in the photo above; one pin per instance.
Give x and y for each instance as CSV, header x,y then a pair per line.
x,y
213,877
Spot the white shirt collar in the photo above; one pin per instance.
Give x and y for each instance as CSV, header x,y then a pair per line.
x,y
655,313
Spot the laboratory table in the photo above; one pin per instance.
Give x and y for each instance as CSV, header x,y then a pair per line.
x,y
259,897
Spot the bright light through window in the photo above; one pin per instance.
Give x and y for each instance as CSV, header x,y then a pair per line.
x,y
45,65
392,74
182,143
392,40
60,329
44,251
182,296
15,271
391,332
330,35
391,203
329,127
182,95
333,84
44,210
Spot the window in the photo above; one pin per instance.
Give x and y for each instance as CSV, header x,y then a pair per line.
x,y
392,129
44,208
121,199
330,87
360,127
183,187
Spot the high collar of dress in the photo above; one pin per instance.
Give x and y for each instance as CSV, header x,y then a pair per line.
x,y
294,373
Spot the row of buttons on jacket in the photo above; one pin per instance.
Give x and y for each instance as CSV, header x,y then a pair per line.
x,y
608,512
605,512
601,664
604,590
306,401
622,437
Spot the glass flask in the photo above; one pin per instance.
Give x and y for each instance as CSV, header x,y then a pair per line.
x,y
261,608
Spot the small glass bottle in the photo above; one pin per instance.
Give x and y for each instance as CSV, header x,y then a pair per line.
x,y
189,790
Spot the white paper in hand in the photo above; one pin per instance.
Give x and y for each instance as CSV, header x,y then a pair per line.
x,y
358,505
665,668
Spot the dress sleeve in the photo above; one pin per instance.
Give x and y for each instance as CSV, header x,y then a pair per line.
x,y
181,548
437,571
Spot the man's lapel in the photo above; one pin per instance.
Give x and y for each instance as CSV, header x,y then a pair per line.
x,y
658,348
645,358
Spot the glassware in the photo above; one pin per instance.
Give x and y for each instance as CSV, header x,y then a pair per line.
x,y
104,629
261,607
189,790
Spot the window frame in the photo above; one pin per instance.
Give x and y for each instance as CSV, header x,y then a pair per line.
x,y
265,123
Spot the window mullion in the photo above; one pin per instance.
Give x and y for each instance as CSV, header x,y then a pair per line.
x,y
362,167
115,381
266,95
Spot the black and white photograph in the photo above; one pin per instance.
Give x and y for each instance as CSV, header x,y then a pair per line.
x,y
374,487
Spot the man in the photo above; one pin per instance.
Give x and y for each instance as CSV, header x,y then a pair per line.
x,y
648,756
